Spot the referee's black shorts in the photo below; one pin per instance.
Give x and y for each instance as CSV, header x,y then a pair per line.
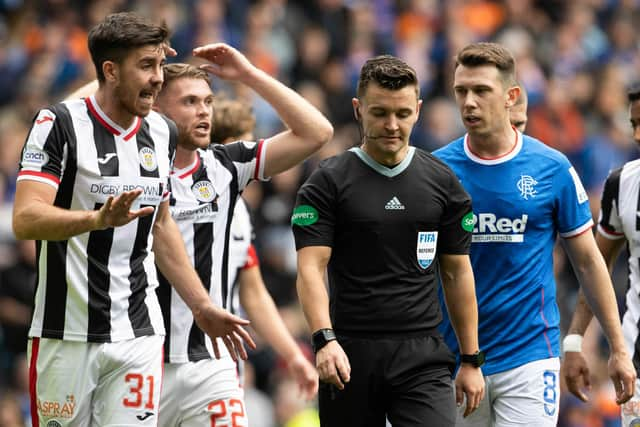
x,y
407,380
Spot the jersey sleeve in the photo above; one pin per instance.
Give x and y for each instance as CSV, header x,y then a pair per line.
x,y
42,156
609,222
313,218
572,211
456,226
252,258
248,159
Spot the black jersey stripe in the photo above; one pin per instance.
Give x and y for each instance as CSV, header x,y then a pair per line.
x,y
163,292
202,248
233,197
99,313
173,137
56,290
138,312
56,280
146,152
610,197
105,143
203,263
100,243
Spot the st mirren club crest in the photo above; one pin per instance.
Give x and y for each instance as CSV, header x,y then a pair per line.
x,y
204,191
147,159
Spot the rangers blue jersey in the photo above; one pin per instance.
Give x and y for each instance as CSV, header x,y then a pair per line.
x,y
521,202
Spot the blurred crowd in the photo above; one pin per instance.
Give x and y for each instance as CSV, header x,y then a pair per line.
x,y
575,59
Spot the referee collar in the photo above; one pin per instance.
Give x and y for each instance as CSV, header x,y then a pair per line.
x,y
109,124
381,169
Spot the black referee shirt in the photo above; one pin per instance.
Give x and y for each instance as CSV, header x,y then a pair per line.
x,y
386,227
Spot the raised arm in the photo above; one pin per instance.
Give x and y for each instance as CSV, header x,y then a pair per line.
x,y
308,129
172,260
460,296
595,282
266,320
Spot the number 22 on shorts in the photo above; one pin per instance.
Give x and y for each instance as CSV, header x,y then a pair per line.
x,y
219,413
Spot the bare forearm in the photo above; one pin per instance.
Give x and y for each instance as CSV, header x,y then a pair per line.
x,y
314,300
41,221
581,317
459,292
596,284
263,314
302,118
173,262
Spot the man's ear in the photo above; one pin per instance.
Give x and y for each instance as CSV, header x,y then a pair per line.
x,y
355,102
111,71
512,96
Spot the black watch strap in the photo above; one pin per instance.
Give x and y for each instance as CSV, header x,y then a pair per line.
x,y
476,359
321,337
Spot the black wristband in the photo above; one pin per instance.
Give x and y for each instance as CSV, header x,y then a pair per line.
x,y
476,360
321,337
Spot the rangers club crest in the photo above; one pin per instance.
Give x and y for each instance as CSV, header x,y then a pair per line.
x,y
426,248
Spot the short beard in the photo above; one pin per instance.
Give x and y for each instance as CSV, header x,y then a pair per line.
x,y
120,95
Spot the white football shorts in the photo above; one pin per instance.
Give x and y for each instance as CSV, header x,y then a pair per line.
x,y
79,384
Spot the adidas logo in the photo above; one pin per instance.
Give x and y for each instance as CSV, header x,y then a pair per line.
x,y
394,204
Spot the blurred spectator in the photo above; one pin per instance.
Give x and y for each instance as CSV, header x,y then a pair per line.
x,y
17,288
291,408
260,411
10,414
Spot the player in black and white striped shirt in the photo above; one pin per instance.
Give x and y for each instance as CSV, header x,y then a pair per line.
x,y
92,190
618,223
233,120
205,185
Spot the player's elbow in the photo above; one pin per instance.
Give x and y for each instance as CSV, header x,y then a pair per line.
x,y
326,133
20,225
322,134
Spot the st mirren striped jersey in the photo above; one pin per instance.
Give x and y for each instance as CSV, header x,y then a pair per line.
x,y
203,197
98,286
620,218
242,253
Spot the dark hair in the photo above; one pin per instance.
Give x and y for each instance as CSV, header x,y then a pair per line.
x,y
633,93
387,71
231,118
118,34
176,71
484,53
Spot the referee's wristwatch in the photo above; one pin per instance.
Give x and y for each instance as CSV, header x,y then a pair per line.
x,y
321,337
476,359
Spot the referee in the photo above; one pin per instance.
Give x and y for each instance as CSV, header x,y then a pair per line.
x,y
383,219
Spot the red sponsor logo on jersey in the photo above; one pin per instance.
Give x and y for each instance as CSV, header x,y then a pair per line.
x,y
44,119
49,408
